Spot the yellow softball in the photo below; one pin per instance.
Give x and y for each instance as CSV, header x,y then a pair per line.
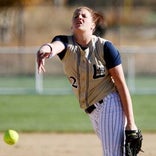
x,y
11,137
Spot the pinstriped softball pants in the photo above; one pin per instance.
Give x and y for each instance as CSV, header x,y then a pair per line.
x,y
108,121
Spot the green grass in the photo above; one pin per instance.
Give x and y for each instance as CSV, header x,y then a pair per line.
x,y
145,81
44,113
51,84
17,81
145,111
29,81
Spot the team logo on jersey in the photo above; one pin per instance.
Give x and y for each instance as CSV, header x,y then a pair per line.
x,y
98,71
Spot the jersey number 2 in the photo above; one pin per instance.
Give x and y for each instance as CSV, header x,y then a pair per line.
x,y
73,80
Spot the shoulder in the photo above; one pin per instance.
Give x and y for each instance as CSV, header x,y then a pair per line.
x,y
111,55
98,39
110,47
62,38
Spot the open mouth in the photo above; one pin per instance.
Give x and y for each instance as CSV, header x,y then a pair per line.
x,y
79,22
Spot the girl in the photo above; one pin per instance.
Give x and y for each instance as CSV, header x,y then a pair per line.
x,y
93,66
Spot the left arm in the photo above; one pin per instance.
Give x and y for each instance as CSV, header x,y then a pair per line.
x,y
120,82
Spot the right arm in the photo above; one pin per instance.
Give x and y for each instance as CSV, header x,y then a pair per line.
x,y
48,50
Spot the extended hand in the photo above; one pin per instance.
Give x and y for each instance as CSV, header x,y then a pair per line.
x,y
44,52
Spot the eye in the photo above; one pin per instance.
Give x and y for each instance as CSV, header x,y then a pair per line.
x,y
84,16
76,16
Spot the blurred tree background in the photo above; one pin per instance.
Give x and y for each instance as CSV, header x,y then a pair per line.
x,y
32,22
27,24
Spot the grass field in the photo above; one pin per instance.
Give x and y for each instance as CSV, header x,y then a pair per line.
x,y
47,113
59,84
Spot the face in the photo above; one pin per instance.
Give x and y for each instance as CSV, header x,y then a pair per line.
x,y
82,20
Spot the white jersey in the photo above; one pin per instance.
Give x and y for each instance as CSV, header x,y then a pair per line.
x,y
87,72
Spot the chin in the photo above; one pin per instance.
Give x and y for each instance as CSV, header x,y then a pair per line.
x,y
79,29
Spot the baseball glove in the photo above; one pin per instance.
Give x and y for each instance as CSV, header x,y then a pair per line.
x,y
133,142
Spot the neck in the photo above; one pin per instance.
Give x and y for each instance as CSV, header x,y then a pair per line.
x,y
83,39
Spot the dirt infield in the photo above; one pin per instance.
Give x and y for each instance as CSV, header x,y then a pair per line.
x,y
51,144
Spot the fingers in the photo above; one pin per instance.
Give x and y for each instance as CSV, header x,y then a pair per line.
x,y
41,67
42,55
41,61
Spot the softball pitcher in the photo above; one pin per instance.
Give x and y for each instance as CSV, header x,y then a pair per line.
x,y
93,66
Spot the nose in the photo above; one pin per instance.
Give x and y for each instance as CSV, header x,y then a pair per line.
x,y
79,16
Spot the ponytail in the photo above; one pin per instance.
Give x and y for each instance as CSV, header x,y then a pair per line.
x,y
100,25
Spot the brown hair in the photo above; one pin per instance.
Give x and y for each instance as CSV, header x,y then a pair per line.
x,y
98,19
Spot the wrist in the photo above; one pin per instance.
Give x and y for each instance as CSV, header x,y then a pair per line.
x,y
47,44
46,49
131,126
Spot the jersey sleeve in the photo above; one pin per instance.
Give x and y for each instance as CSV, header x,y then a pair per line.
x,y
64,40
111,55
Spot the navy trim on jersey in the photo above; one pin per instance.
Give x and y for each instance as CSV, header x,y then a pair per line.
x,y
111,54
64,40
